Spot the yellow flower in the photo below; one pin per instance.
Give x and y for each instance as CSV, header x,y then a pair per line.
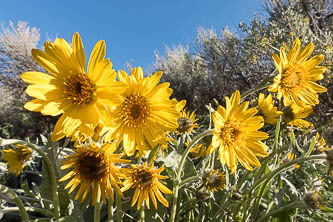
x,y
16,158
198,150
302,124
145,113
214,180
236,136
320,143
296,81
146,182
294,112
70,90
269,111
93,166
187,123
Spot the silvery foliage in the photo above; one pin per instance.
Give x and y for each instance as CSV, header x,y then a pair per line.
x,y
15,58
218,64
16,43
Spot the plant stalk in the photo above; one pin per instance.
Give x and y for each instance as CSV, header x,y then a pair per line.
x,y
5,190
180,168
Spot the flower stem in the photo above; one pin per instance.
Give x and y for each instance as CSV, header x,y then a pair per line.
x,y
52,175
142,213
97,209
265,83
119,211
283,167
16,200
296,204
189,180
110,211
180,168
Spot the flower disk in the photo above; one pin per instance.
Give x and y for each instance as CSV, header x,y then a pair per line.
x,y
145,113
93,166
16,158
236,136
69,90
187,123
146,182
214,180
296,81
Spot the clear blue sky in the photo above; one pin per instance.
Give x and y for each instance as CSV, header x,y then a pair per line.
x,y
132,29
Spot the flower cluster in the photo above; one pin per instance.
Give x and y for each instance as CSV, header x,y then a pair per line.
x,y
119,122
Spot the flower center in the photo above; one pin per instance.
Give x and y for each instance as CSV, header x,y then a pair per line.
x,y
184,124
294,77
135,111
288,114
92,166
215,180
79,89
143,179
23,155
230,133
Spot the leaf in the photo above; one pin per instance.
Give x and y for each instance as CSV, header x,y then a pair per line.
x,y
292,187
172,160
189,169
4,142
67,219
45,187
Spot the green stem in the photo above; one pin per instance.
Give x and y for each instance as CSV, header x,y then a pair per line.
x,y
265,83
142,213
97,208
283,167
110,211
189,180
52,175
46,213
119,211
16,200
180,168
296,204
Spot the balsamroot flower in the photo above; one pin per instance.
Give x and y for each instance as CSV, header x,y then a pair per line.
x,y
296,81
145,113
187,123
267,108
16,158
214,180
71,91
294,115
235,134
146,182
93,166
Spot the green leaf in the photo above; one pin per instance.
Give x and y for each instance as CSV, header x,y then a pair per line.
x,y
189,169
172,160
67,219
4,142
51,149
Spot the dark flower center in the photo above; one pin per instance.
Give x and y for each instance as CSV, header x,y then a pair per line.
x,y
92,167
143,179
79,89
135,111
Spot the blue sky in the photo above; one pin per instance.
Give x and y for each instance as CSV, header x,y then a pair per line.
x,y
132,29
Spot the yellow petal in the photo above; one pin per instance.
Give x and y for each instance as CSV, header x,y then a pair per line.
x,y
96,56
37,78
78,52
45,92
